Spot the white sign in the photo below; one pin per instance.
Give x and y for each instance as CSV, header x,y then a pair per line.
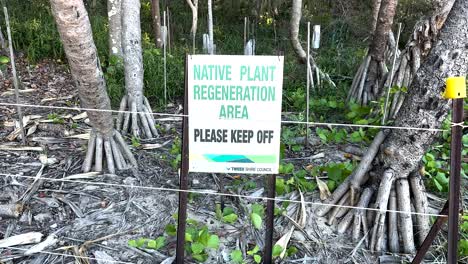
x,y
234,107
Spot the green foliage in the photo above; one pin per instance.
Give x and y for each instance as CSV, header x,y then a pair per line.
x,y
437,160
236,256
198,239
135,142
4,60
257,213
55,118
227,215
277,249
155,244
463,245
257,258
115,80
176,153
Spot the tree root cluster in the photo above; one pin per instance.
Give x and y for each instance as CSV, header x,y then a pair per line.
x,y
139,120
392,198
111,149
367,82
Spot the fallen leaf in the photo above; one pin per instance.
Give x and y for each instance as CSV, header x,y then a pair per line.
x,y
323,188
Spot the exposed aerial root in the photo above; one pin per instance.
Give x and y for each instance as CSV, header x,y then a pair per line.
x,y
111,149
390,225
367,82
139,120
384,227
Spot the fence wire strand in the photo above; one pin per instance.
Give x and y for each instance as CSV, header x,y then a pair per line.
x,y
251,197
282,121
72,256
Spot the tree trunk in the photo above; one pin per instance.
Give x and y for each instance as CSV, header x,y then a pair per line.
x,y
424,34
194,6
156,17
140,121
315,73
403,149
210,28
114,12
75,32
368,81
375,14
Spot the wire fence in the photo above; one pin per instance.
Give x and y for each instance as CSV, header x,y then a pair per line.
x,y
209,192
282,121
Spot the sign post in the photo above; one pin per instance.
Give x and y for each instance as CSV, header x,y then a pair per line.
x,y
234,126
183,182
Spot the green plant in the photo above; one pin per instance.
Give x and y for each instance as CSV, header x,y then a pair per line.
x,y
135,142
236,256
155,244
437,160
257,213
198,240
55,118
176,152
463,250
226,215
253,253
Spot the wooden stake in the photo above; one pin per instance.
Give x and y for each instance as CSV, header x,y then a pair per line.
x,y
307,86
15,78
245,31
164,57
168,30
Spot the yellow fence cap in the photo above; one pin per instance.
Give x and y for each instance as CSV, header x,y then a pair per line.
x,y
455,88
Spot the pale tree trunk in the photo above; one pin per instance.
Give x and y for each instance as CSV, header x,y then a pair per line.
x,y
194,6
420,43
210,28
140,121
75,32
368,80
156,17
315,73
396,161
375,14
115,27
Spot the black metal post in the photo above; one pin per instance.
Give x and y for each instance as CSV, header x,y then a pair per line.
x,y
270,215
184,170
454,189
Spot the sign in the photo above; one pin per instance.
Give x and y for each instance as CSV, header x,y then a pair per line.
x,y
234,107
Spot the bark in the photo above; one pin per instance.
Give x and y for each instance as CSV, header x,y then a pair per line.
x,y
384,25
75,32
140,121
156,17
194,6
424,35
368,81
114,13
375,14
403,149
